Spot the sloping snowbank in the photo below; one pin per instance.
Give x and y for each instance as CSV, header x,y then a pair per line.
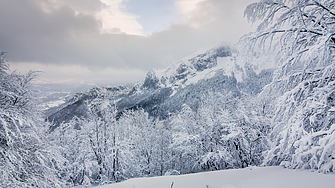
x,y
252,177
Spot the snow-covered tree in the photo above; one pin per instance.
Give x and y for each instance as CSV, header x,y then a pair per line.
x,y
145,140
223,133
15,91
26,159
302,34
186,141
93,145
303,132
71,140
238,132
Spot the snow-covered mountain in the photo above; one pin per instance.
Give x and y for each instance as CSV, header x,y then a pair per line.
x,y
166,91
298,102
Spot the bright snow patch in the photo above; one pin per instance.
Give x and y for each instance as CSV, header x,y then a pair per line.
x,y
251,177
225,62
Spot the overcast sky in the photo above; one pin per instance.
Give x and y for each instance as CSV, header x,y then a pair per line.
x,y
113,41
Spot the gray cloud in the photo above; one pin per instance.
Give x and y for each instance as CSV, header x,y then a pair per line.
x,y
31,34
58,35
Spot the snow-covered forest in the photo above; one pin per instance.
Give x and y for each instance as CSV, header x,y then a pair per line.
x,y
207,118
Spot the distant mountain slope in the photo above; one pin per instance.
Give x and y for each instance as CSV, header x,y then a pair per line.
x,y
165,91
78,105
54,96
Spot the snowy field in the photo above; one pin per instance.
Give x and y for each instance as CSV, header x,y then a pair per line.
x,y
252,177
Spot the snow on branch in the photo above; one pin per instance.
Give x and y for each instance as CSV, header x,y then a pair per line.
x,y
325,8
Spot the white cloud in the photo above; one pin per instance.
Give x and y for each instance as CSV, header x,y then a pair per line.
x,y
116,20
187,7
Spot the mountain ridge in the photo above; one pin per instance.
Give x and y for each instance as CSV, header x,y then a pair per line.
x,y
164,91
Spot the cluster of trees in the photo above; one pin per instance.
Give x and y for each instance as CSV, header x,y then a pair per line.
x,y
224,132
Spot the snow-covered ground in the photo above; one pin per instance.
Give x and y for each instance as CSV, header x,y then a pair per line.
x,y
251,177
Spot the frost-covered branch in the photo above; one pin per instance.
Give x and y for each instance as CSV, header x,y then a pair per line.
x,y
288,27
325,8
288,30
